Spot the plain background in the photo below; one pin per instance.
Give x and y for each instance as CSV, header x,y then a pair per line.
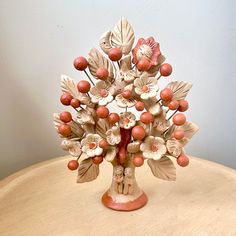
x,y
40,39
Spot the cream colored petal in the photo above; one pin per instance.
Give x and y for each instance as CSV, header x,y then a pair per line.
x,y
143,147
138,83
111,154
98,151
155,109
95,99
145,96
84,141
138,90
151,80
90,152
95,91
84,149
148,154
152,94
156,155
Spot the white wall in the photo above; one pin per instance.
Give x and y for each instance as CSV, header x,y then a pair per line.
x,y
39,40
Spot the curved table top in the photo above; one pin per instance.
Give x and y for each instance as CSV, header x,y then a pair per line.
x,y
45,199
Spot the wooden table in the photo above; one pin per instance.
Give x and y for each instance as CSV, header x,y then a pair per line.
x,y
45,200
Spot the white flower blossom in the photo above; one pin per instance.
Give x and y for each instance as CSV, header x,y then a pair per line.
x,y
146,87
90,145
127,120
153,147
102,93
113,135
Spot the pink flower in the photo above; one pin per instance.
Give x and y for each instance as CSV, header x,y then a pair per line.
x,y
148,48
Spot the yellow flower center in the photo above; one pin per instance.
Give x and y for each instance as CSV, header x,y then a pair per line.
x,y
92,145
145,88
103,93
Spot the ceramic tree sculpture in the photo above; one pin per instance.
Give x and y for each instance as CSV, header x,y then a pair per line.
x,y
150,127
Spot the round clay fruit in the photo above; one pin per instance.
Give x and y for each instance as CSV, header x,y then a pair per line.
x,y
127,94
113,118
178,134
64,130
183,105
103,144
66,99
138,160
83,86
165,69
143,64
65,116
115,54
102,112
80,63
166,94
75,102
173,105
73,165
179,119
146,117
97,160
138,132
102,73
183,160
139,106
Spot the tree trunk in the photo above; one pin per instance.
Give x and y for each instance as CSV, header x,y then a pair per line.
x,y
124,193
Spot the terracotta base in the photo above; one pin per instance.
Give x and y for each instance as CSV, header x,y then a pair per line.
x,y
124,206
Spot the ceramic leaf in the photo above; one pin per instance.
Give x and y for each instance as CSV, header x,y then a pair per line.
x,y
123,36
87,171
125,63
84,117
75,150
174,147
180,89
68,86
102,126
104,42
169,132
189,129
77,130
163,168
97,60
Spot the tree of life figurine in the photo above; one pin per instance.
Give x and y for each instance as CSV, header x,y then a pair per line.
x,y
157,131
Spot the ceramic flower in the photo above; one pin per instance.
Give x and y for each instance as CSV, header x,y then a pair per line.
x,y
113,135
148,48
125,102
102,93
146,86
127,120
90,145
153,147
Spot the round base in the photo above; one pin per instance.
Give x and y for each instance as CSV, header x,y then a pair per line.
x,y
124,206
